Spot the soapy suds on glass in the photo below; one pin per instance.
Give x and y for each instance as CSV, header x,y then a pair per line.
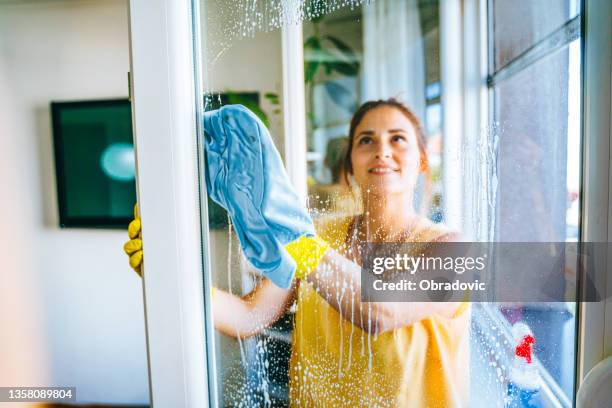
x,y
246,19
260,361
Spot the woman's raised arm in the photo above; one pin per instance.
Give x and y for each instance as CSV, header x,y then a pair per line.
x,y
245,316
338,280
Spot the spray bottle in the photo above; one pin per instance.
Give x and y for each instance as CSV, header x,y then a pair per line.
x,y
524,379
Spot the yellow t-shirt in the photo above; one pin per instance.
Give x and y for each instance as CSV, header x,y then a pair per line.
x,y
337,364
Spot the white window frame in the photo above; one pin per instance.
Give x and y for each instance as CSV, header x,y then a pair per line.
x,y
166,109
294,109
595,318
464,100
451,99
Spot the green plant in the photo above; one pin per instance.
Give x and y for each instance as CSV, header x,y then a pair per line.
x,y
272,97
237,98
332,56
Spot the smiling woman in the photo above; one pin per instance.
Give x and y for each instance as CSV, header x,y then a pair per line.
x,y
386,155
372,353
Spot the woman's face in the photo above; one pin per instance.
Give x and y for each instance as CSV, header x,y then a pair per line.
x,y
385,153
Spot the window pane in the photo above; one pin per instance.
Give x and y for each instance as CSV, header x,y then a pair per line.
x,y
352,54
537,117
242,64
518,25
532,131
377,50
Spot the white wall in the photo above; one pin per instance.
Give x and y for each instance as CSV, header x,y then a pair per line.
x,y
71,310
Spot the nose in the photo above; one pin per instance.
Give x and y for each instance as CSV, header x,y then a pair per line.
x,y
383,151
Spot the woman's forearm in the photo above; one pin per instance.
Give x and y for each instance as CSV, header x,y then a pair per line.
x,y
242,317
234,316
338,280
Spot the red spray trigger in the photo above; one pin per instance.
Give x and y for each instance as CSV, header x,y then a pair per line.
x,y
525,348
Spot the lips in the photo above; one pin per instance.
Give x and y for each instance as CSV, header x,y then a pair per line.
x,y
382,170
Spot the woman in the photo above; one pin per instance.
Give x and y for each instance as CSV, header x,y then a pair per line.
x,y
348,353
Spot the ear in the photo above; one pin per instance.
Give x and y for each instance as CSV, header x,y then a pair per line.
x,y
423,166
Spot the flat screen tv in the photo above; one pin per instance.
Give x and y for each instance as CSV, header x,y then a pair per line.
x,y
94,162
95,165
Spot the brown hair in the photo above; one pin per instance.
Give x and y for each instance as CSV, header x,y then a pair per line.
x,y
370,105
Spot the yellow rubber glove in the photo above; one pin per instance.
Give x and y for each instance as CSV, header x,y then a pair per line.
x,y
133,248
307,253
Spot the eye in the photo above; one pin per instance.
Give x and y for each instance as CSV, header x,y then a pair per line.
x,y
365,140
398,138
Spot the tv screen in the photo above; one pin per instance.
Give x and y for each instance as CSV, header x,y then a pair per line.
x,y
95,165
94,160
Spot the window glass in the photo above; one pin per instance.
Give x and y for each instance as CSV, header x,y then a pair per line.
x,y
242,64
520,25
532,131
538,188
355,52
536,131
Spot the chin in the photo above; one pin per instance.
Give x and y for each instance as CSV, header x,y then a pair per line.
x,y
380,189
386,189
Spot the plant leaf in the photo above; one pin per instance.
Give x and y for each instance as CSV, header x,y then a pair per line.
x,y
341,96
314,123
312,43
343,47
272,97
344,68
310,69
346,51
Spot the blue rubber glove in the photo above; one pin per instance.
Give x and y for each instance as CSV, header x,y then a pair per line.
x,y
245,175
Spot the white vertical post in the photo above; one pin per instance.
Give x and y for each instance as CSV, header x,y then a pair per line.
x,y
294,111
595,318
164,115
475,211
451,74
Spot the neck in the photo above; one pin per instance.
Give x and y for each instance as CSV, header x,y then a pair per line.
x,y
387,216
